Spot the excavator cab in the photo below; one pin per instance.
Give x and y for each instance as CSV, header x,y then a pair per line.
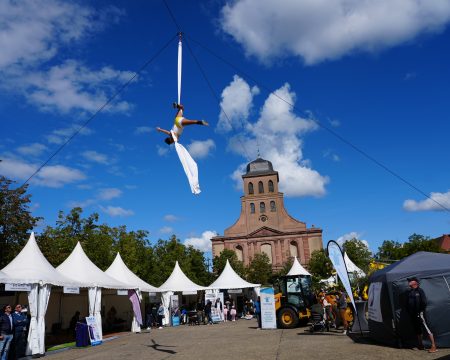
x,y
293,300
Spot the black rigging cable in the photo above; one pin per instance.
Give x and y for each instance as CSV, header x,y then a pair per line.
x,y
331,131
117,92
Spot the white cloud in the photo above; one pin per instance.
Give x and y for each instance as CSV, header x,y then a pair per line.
x,y
236,104
171,218
143,130
326,30
278,135
51,175
162,151
201,149
166,230
350,236
59,136
96,157
116,211
202,243
109,193
34,149
35,32
429,204
329,154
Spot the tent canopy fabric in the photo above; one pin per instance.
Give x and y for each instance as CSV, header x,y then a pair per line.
x,y
420,264
388,298
3,278
78,266
352,268
178,281
297,269
119,271
228,279
31,267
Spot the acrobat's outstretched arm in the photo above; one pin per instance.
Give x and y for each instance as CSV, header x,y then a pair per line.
x,y
164,131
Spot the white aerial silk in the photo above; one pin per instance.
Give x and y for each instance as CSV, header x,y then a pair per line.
x,y
179,70
189,166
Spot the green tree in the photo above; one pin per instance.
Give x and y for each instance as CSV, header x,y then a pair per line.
x,y
359,253
391,250
320,266
259,271
220,261
16,220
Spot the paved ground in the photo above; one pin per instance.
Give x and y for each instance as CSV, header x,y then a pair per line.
x,y
239,341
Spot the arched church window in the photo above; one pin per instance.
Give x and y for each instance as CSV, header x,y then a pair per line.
x,y
271,186
273,206
293,249
250,188
262,208
261,187
267,249
239,253
252,208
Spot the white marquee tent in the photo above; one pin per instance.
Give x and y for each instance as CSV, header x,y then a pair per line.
x,y
78,266
177,281
228,279
31,267
3,278
297,269
119,271
352,268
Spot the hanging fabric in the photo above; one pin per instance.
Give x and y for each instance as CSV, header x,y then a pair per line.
x,y
189,166
180,50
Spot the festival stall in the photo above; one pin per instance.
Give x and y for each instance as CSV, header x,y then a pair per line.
x,y
119,271
78,266
297,269
389,322
177,282
30,271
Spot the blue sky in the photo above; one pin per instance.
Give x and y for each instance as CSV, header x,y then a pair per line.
x,y
374,72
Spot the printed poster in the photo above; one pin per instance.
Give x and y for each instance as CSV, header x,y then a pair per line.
x,y
94,335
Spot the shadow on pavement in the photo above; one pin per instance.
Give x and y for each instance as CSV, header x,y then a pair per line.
x,y
156,346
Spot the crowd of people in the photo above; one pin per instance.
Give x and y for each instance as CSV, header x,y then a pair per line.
x,y
13,332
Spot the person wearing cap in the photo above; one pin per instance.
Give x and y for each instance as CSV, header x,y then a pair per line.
x,y
416,305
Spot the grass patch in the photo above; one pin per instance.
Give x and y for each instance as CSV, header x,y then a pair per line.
x,y
62,346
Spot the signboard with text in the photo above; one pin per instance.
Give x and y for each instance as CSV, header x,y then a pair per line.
x,y
17,287
268,314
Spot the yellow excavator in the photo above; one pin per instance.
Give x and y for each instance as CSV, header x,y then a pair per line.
x,y
293,300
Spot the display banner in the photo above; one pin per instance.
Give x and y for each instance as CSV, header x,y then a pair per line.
x,y
122,292
189,292
71,290
235,291
268,314
375,302
17,287
216,314
337,258
94,335
174,302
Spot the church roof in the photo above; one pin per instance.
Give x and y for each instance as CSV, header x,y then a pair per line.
x,y
259,167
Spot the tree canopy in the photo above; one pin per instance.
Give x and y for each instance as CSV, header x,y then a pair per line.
x,y
16,220
358,252
220,261
393,250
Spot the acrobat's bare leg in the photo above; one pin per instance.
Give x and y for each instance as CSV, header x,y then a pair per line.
x,y
186,122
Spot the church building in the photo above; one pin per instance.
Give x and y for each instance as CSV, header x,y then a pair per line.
x,y
264,226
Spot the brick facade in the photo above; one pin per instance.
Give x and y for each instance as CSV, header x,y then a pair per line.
x,y
264,224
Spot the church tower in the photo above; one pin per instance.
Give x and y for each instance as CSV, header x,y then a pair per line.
x,y
264,224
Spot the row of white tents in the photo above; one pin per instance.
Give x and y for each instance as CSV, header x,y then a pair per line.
x,y
32,269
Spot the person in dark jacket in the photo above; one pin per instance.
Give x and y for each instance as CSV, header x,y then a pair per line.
x,y
416,305
6,332
208,315
257,305
20,324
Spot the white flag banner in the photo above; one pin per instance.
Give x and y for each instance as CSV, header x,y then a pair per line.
x,y
337,258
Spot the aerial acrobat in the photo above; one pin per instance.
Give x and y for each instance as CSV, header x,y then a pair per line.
x,y
179,124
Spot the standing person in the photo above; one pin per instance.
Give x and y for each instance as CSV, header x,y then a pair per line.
x,y
342,306
149,316
233,313
208,311
20,323
415,306
178,125
6,332
219,308
225,313
160,315
257,305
